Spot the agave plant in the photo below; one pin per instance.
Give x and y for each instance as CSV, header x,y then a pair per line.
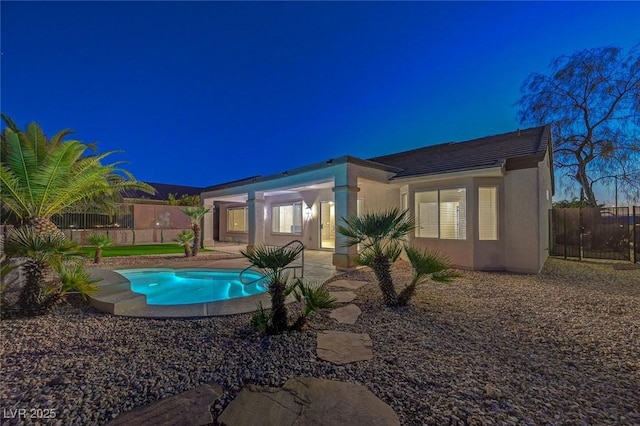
x,y
42,290
426,265
196,214
184,239
273,262
380,236
99,241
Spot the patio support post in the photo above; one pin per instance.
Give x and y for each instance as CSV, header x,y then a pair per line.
x,y
346,199
256,220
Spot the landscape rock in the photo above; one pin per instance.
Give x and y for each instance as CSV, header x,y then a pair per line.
x,y
347,314
348,284
340,347
308,401
343,296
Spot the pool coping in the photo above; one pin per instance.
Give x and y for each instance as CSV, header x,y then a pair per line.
x,y
114,296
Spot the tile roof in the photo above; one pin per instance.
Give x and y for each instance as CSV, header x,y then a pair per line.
x,y
490,151
162,192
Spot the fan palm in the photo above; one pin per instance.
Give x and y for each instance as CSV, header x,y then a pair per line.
x,y
426,265
196,214
380,236
40,177
99,241
40,292
184,239
273,262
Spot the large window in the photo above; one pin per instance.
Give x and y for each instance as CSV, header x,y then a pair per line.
x,y
442,214
488,213
238,219
286,218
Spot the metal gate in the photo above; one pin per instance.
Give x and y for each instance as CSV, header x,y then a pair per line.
x,y
595,233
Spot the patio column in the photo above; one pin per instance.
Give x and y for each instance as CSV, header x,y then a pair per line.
x,y
256,220
346,199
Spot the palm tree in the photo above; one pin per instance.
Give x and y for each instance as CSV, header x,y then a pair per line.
x,y
380,236
184,239
426,265
41,292
40,177
196,214
273,262
99,241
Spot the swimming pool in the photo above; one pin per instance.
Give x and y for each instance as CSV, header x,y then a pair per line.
x,y
164,286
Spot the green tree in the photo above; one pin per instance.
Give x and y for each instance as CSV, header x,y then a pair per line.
x,y
382,238
196,214
40,177
184,200
273,262
99,241
592,99
184,239
42,290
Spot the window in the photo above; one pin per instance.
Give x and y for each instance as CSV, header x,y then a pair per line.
x,y
442,214
238,219
286,218
488,213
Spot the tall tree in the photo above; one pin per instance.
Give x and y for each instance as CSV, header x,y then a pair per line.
x,y
592,99
40,177
196,214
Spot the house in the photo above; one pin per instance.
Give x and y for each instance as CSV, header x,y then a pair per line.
x,y
483,202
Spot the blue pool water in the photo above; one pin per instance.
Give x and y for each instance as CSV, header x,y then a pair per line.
x,y
184,286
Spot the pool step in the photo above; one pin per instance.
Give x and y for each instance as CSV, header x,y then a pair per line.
x,y
117,300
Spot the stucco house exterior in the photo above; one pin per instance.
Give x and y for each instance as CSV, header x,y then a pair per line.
x,y
483,202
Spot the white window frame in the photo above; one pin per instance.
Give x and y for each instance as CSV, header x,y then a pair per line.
x,y
245,220
488,214
295,229
436,228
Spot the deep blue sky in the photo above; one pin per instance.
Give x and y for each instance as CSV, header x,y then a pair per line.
x,y
200,93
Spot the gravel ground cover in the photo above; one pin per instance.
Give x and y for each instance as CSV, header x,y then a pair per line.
x,y
491,348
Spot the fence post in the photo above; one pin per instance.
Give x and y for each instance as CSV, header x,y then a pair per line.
x,y
564,225
636,248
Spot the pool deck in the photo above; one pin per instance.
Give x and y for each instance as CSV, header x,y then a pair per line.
x,y
115,296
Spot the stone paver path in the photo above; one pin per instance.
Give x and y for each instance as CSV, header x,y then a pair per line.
x,y
308,401
340,347
190,408
348,284
343,296
347,314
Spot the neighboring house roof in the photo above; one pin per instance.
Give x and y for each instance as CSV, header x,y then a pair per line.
x,y
162,192
514,150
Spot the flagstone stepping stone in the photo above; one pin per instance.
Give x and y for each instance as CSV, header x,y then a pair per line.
x,y
308,401
347,314
340,347
348,284
190,408
343,296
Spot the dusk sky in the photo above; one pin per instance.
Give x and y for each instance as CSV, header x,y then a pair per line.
x,y
201,93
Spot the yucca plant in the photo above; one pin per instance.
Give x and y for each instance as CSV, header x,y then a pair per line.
x,y
196,214
380,236
426,265
273,261
99,241
312,298
42,290
184,239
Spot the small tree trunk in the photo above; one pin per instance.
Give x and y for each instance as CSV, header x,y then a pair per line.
x,y
279,321
31,293
382,271
196,239
98,256
187,250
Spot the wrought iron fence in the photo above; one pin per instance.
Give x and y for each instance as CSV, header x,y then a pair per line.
x,y
596,233
127,216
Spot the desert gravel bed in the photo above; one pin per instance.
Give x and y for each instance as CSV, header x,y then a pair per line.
x,y
492,348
